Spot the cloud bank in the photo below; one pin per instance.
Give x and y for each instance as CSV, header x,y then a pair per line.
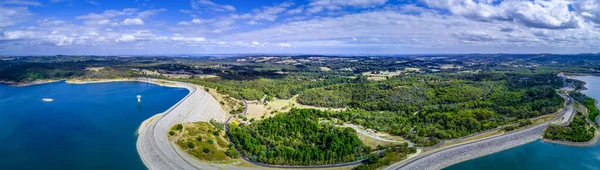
x,y
318,26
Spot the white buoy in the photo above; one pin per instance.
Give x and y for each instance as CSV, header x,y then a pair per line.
x,y
139,98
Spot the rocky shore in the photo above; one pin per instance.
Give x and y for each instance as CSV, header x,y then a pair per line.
x,y
442,158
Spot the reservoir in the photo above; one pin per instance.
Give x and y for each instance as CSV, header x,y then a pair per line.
x,y
87,126
541,155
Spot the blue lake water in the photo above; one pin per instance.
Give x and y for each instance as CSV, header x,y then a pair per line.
x,y
90,126
541,155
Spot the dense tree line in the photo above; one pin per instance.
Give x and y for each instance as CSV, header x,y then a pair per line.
x,y
283,88
297,138
27,69
26,72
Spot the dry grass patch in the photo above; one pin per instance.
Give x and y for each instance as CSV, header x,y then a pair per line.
x,y
94,68
409,69
373,143
381,75
324,69
261,111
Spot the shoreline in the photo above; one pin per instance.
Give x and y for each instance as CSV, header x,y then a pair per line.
x,y
37,82
146,122
445,157
153,146
159,82
589,143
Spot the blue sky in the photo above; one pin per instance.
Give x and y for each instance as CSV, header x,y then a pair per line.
x,y
152,27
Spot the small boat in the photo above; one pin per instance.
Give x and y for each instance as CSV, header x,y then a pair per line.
x,y
48,99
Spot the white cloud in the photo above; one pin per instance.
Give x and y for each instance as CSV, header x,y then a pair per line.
x,y
345,26
197,4
295,11
12,16
127,16
185,11
17,35
183,23
284,45
195,21
126,38
50,22
270,13
180,38
65,41
549,14
150,13
589,9
320,5
103,22
108,14
93,2
133,21
20,2
57,1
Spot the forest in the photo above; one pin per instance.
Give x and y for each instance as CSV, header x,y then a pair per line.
x,y
428,108
297,138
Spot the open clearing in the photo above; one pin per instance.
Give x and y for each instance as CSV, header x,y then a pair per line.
x,y
409,69
324,69
180,76
381,75
257,110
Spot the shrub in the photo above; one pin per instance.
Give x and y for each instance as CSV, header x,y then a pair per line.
x,y
232,152
191,145
199,138
206,150
510,128
171,133
179,127
210,141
